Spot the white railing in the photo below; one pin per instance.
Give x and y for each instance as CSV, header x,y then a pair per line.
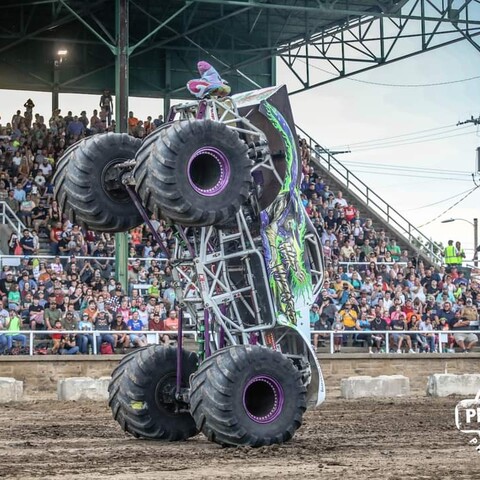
x,y
153,336
387,333
8,217
15,260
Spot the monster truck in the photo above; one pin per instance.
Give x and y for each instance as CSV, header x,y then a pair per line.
x,y
247,265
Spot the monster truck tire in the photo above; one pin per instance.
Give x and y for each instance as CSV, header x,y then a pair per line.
x,y
247,395
141,394
87,185
196,173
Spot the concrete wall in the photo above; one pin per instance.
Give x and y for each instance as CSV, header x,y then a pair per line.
x,y
416,367
40,374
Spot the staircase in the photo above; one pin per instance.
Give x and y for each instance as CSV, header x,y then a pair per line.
x,y
371,205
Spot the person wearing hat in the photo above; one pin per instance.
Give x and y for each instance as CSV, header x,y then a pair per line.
x,y
69,322
469,311
7,282
102,323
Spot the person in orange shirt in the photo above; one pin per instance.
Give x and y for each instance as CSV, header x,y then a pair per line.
x,y
132,123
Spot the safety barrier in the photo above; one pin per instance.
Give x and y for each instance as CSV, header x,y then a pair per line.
x,y
366,334
153,336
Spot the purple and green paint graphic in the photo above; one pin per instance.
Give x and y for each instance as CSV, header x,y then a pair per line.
x,y
283,229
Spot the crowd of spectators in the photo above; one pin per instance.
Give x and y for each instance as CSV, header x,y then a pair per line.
x,y
373,285
78,294
370,283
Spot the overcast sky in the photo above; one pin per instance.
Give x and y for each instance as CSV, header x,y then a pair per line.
x,y
347,112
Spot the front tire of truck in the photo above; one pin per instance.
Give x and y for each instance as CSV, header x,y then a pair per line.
x,y
196,173
142,394
247,395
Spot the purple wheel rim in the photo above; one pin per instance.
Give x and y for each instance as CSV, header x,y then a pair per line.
x,y
263,399
208,171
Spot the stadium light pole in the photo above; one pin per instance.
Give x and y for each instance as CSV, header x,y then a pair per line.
x,y
474,224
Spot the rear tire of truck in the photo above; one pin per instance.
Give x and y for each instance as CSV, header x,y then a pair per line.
x,y
195,173
247,395
141,394
88,187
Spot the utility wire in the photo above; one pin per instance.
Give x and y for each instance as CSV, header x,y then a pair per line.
x,y
414,85
404,167
414,142
437,203
412,175
450,208
394,139
417,137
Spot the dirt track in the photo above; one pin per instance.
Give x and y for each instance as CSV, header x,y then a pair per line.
x,y
407,439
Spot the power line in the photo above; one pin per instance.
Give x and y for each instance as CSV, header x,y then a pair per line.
x,y
396,174
436,203
394,139
412,143
405,168
414,85
373,140
450,208
414,138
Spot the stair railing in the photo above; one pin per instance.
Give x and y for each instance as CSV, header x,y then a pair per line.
x,y
9,217
349,180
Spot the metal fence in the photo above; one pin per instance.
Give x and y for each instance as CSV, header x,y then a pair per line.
x,y
366,334
153,336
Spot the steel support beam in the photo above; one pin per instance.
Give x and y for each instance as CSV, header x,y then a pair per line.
x,y
121,121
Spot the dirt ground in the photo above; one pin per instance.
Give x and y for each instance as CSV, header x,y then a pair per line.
x,y
403,439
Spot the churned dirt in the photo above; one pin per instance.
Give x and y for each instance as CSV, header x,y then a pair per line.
x,y
403,439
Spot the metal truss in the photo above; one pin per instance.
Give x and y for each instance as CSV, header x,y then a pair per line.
x,y
319,41
215,273
221,280
365,43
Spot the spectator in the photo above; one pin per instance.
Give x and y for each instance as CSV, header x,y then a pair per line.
x,y
103,323
398,325
120,335
132,123
106,105
13,325
85,340
135,325
459,325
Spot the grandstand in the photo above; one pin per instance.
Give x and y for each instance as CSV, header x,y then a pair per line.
x,y
55,258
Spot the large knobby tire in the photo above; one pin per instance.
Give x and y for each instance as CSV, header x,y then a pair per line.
x,y
247,395
87,183
141,394
196,173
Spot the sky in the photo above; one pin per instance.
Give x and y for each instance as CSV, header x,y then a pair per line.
x,y
347,114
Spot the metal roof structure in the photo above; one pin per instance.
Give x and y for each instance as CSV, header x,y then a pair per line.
x,y
318,40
